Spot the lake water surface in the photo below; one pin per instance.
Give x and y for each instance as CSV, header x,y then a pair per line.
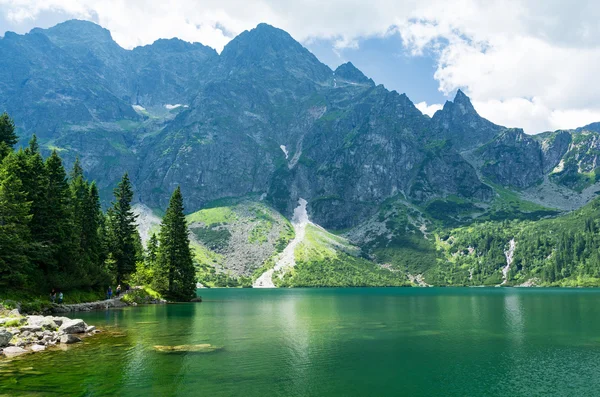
x,y
333,342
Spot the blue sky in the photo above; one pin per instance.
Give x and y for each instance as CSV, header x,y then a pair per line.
x,y
387,62
523,63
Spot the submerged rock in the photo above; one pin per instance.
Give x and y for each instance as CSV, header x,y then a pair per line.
x,y
202,348
69,339
12,351
38,348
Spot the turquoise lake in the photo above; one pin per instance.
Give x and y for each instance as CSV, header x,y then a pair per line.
x,y
333,342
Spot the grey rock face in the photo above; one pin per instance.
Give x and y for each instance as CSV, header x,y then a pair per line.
x,y
513,159
460,124
263,117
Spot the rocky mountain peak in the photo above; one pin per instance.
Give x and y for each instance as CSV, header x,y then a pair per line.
x,y
349,73
76,31
464,103
459,122
269,49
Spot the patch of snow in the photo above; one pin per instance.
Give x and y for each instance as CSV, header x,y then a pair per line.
x,y
282,147
177,105
286,259
138,108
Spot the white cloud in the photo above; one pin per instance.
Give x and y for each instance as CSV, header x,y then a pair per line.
x,y
523,62
429,110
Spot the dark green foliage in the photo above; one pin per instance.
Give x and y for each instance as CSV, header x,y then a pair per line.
x,y
213,237
175,265
121,231
7,130
15,265
152,250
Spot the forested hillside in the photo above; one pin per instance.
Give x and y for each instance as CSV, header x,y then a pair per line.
x,y
55,236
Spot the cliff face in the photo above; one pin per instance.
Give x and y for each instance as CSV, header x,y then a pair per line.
x,y
264,117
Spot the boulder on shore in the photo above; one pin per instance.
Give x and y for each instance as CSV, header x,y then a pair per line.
x,y
76,326
46,323
5,337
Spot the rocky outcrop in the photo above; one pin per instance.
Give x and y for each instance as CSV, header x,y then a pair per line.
x,y
36,333
73,327
88,306
5,337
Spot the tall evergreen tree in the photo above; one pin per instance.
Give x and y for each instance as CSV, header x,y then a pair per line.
x,y
84,232
92,230
122,230
58,225
15,266
8,136
152,249
175,262
33,147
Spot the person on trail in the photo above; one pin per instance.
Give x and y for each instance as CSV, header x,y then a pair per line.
x,y
53,296
60,297
109,293
118,290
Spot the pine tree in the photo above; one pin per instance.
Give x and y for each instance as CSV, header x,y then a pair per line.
x,y
85,225
7,130
122,230
33,147
175,263
15,266
152,250
57,232
92,230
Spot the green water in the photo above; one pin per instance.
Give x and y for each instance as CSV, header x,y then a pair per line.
x,y
333,342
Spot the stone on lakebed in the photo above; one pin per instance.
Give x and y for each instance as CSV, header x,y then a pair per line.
x,y
12,351
202,348
69,339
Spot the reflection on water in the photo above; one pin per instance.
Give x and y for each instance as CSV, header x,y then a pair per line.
x,y
343,342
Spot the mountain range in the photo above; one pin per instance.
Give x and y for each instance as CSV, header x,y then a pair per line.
x,y
265,124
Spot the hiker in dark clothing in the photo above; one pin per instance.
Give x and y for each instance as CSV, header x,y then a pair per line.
x,y
109,293
53,296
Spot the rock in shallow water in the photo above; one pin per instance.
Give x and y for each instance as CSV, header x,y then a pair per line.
x,y
38,348
13,351
202,348
69,339
73,327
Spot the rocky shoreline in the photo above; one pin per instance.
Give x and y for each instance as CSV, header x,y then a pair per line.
x,y
29,334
